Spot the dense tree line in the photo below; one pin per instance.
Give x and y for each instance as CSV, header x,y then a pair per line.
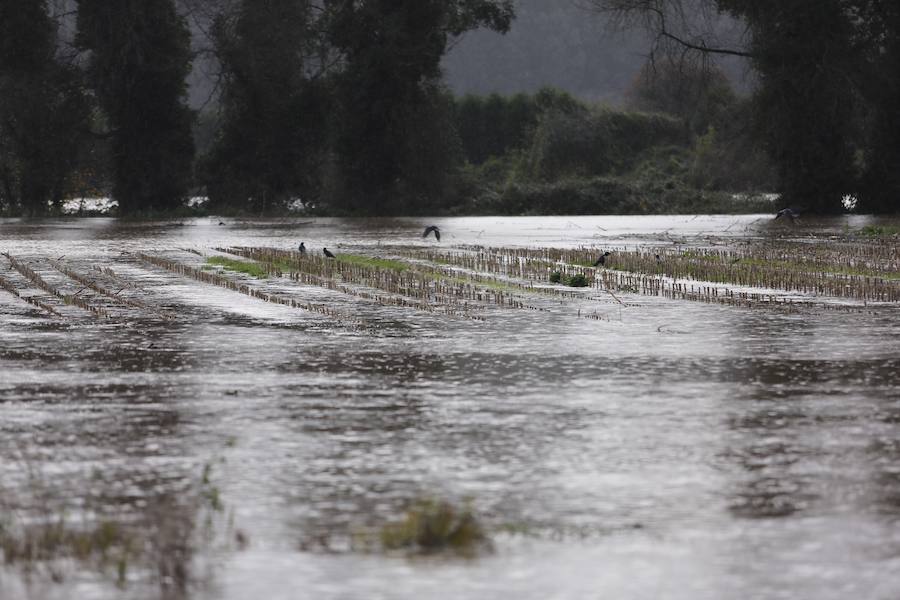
x,y
825,108
342,103
335,97
43,110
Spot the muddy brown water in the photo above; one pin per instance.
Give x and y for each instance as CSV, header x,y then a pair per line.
x,y
671,450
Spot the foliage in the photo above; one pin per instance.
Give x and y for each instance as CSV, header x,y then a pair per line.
x,y
878,37
880,231
431,526
578,280
391,54
252,269
695,94
377,263
804,104
273,114
827,91
139,58
609,195
492,126
43,111
603,141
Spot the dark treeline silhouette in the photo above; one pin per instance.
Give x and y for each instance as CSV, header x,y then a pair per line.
x,y
342,104
43,111
825,107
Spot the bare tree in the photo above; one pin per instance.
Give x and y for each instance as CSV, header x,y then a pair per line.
x,y
681,30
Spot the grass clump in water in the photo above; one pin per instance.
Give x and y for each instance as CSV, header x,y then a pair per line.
x,y
252,269
578,280
432,526
105,544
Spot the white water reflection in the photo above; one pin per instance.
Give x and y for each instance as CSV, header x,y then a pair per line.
x,y
680,450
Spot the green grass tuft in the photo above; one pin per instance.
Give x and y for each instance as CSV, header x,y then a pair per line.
x,y
877,231
432,526
579,280
368,261
252,269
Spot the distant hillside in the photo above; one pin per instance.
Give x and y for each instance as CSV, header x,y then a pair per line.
x,y
551,43
556,43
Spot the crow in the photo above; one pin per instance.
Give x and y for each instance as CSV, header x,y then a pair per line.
x,y
601,260
302,248
327,253
434,228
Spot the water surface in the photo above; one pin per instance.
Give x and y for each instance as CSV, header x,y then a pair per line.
x,y
673,450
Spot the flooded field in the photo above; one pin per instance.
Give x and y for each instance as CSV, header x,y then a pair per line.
x,y
194,410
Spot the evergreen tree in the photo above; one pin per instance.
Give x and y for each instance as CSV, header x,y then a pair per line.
x,y
803,55
878,38
43,110
274,122
391,52
139,58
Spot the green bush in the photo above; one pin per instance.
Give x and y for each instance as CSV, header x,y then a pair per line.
x,y
578,280
431,526
602,142
609,195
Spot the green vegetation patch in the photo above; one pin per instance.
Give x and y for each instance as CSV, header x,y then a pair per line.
x,y
375,263
431,526
107,543
877,231
252,269
579,280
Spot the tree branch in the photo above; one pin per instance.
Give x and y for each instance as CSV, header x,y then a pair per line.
x,y
702,47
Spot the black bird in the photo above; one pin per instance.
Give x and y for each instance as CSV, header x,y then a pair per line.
x,y
302,248
789,213
434,228
601,260
327,253
221,222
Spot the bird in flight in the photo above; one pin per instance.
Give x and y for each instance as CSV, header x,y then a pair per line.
x,y
434,228
601,260
789,213
327,253
302,248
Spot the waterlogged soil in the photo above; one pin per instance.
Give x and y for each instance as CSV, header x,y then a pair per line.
x,y
248,449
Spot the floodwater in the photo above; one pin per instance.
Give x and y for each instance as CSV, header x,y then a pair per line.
x,y
673,450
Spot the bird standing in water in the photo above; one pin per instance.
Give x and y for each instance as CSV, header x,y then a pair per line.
x,y
302,248
601,260
327,253
434,228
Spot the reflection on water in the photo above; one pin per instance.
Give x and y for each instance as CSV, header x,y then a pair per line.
x,y
681,450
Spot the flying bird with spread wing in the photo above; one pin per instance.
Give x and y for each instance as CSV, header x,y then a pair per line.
x,y
432,228
790,213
